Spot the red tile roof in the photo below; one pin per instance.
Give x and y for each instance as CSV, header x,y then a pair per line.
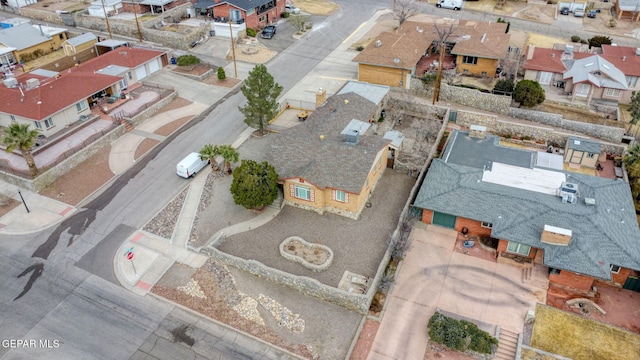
x,y
53,95
72,86
624,58
549,60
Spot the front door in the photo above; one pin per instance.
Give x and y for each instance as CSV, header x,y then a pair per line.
x,y
545,77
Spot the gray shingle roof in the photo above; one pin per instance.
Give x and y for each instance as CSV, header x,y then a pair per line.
x,y
81,39
587,69
329,162
22,36
584,145
372,92
603,234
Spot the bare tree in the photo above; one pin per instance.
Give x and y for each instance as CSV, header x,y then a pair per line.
x,y
404,9
444,32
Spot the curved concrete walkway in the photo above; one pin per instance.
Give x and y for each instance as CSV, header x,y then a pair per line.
x,y
123,150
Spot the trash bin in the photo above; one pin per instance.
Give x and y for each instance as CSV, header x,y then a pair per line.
x,y
173,61
212,32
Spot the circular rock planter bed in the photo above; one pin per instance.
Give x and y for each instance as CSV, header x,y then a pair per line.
x,y
316,257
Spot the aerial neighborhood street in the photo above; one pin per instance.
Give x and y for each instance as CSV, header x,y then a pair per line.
x,y
368,179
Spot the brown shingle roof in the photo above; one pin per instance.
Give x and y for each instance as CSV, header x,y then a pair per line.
x,y
298,152
407,45
481,39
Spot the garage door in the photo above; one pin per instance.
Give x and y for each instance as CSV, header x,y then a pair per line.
x,y
154,65
444,220
141,72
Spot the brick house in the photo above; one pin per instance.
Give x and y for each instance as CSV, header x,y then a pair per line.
x,y
52,101
611,76
581,227
391,59
332,161
256,14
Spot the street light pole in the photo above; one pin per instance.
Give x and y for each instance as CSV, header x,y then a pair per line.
x,y
23,202
233,50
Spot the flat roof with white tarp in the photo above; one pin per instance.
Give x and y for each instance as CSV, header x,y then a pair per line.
x,y
536,179
551,161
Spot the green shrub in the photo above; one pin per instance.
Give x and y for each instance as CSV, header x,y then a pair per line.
x,y
359,48
428,78
285,15
528,93
504,86
186,60
251,32
575,38
599,40
221,74
460,334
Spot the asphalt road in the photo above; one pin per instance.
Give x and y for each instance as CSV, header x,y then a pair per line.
x,y
58,285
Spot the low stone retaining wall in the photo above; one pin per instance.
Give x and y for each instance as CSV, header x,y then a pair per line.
x,y
305,285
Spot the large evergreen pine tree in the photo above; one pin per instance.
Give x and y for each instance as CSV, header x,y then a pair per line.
x,y
262,93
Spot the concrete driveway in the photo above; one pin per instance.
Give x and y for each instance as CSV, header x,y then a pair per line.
x,y
434,276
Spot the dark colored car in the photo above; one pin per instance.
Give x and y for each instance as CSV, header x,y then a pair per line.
x,y
592,14
268,32
564,11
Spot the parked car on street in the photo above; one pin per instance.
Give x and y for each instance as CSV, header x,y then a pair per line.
x,y
564,11
268,32
450,4
592,14
292,9
578,13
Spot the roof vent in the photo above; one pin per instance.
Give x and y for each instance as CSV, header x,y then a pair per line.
x,y
590,201
378,43
396,60
418,29
32,83
478,131
10,82
568,192
484,37
624,58
353,130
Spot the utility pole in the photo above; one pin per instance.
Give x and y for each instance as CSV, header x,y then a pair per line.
x,y
233,51
106,18
135,14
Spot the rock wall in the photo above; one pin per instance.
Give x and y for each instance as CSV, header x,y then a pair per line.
x,y
498,104
606,133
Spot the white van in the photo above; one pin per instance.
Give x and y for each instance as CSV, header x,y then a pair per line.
x,y
190,165
450,4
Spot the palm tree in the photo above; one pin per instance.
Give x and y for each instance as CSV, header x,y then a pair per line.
x,y
208,152
229,154
19,136
633,155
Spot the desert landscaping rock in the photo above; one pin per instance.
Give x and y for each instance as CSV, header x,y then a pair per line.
x,y
248,309
284,316
164,223
193,288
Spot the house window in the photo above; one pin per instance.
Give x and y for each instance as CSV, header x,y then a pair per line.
x,y
487,225
48,122
61,36
261,19
302,193
631,81
554,271
612,92
465,71
37,124
81,106
484,73
250,11
591,155
340,196
614,268
235,15
518,248
473,60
